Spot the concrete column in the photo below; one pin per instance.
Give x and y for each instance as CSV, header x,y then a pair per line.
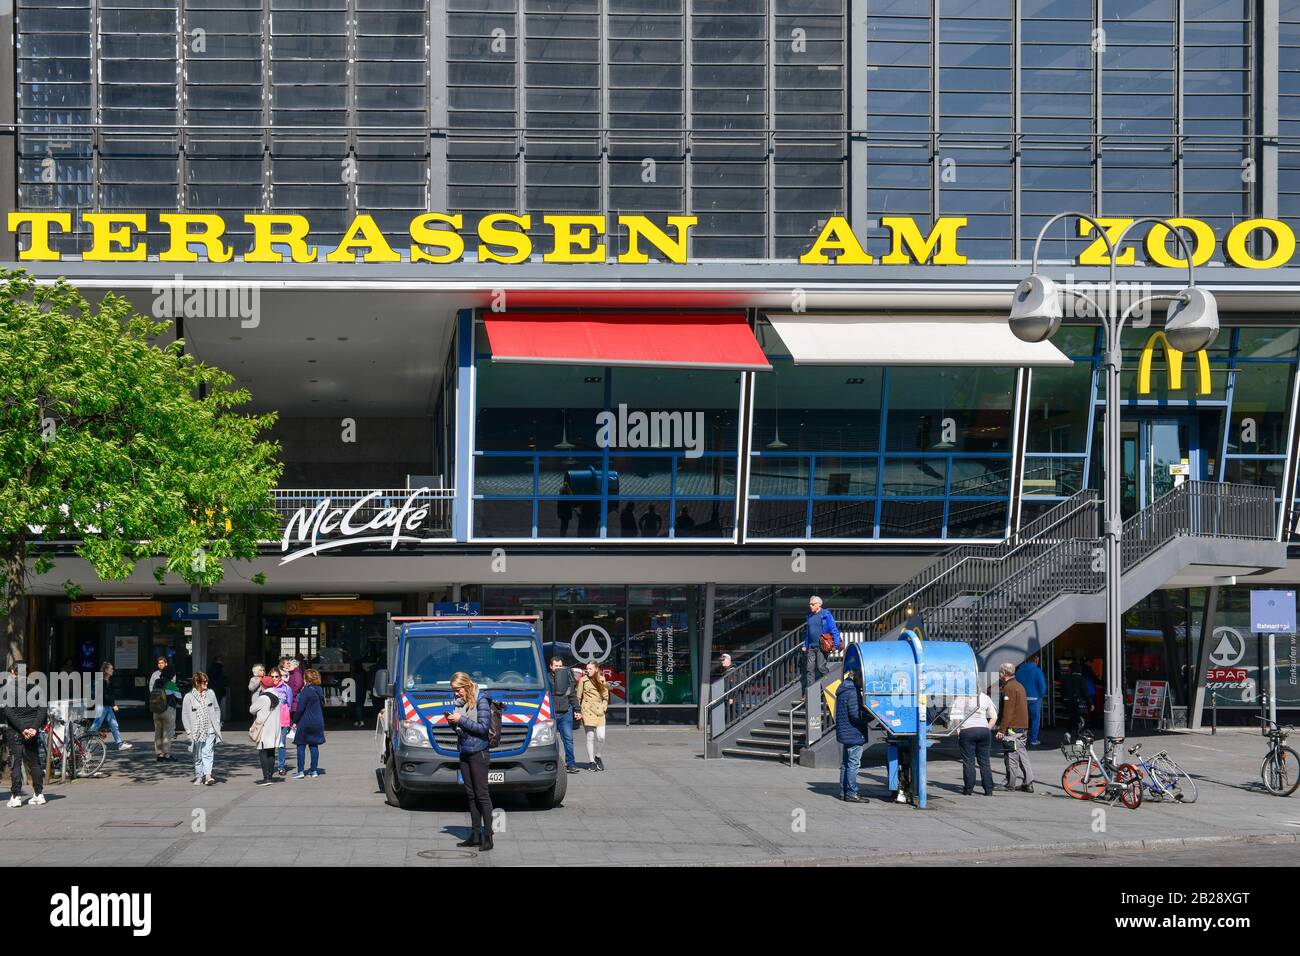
x,y
463,467
1203,659
8,136
706,653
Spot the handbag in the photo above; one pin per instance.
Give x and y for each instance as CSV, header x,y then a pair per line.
x,y
293,732
827,642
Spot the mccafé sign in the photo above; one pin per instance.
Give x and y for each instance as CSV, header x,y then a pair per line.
x,y
503,237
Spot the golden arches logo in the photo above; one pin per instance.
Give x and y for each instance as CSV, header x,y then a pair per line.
x,y
1174,360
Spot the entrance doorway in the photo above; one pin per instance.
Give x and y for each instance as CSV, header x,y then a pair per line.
x,y
1159,452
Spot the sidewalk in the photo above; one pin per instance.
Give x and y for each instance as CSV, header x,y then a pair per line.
x,y
658,803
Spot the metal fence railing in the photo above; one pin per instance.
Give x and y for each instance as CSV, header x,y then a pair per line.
x,y
1195,509
367,505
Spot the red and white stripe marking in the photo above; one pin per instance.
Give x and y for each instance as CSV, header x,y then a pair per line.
x,y
544,713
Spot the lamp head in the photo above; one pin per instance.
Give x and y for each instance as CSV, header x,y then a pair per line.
x,y
1035,309
1192,321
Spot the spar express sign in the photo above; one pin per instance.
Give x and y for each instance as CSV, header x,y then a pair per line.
x,y
503,237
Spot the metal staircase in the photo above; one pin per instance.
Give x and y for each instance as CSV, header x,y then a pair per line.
x,y
1010,599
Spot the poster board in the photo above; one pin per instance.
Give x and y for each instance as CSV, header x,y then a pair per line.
x,y
1150,698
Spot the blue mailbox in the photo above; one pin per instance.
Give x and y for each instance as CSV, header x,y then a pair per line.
x,y
908,686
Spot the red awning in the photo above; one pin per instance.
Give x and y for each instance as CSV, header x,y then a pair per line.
x,y
662,339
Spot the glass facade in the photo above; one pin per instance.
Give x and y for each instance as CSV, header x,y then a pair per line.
x,y
844,452
735,112
600,452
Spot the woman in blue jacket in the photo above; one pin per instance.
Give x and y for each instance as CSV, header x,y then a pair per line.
x,y
470,718
309,718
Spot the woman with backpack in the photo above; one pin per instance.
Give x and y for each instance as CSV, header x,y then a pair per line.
x,y
593,701
265,732
309,722
472,718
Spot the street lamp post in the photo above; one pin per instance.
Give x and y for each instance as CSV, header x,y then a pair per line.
x,y
1191,324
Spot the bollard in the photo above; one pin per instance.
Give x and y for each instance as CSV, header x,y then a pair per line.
x,y
1214,713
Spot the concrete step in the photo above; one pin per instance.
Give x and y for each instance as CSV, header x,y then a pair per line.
x,y
800,725
754,754
782,733
754,743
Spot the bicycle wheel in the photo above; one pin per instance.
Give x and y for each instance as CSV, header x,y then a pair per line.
x,y
1080,782
1176,781
1281,772
91,754
1129,779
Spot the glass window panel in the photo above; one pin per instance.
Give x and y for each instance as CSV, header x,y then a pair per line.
x,y
844,519
961,409
909,477
1058,407
911,519
1059,477
1261,398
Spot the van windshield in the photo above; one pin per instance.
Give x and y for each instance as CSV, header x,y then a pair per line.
x,y
506,661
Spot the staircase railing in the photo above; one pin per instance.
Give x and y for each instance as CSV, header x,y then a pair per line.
x,y
1196,508
770,671
748,686
970,568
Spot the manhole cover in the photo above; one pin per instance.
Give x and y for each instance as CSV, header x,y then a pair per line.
x,y
150,824
447,854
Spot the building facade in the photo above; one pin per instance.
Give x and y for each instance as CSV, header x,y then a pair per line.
x,y
653,386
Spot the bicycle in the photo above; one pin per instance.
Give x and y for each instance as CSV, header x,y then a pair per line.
x,y
1088,778
1280,770
86,755
1162,777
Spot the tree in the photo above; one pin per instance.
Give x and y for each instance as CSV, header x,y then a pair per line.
x,y
129,450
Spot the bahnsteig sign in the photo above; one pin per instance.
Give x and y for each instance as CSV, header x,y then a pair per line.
x,y
436,237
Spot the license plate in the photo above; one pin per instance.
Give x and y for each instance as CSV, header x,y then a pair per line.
x,y
497,776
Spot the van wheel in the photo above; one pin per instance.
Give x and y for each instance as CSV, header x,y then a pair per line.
x,y
554,797
394,796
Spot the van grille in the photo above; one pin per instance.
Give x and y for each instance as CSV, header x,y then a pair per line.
x,y
512,738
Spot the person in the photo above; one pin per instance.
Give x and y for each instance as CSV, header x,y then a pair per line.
x,y
1074,694
309,719
359,690
650,523
201,718
217,682
255,682
977,717
564,699
1032,680
851,723
282,691
161,685
684,520
23,717
108,710
627,520
266,722
724,665
1011,730
294,677
820,623
593,701
470,718
564,507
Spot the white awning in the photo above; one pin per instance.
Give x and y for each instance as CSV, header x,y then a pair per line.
x,y
875,339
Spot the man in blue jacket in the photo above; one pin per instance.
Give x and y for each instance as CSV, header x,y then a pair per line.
x,y
819,622
851,731
1031,678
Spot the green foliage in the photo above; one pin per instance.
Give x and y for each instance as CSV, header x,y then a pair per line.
x,y
105,440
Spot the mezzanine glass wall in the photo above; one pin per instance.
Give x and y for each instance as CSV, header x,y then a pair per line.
x,y
557,453
1235,431
893,453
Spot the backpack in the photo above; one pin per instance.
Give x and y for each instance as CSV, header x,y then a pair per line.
x,y
495,710
158,701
